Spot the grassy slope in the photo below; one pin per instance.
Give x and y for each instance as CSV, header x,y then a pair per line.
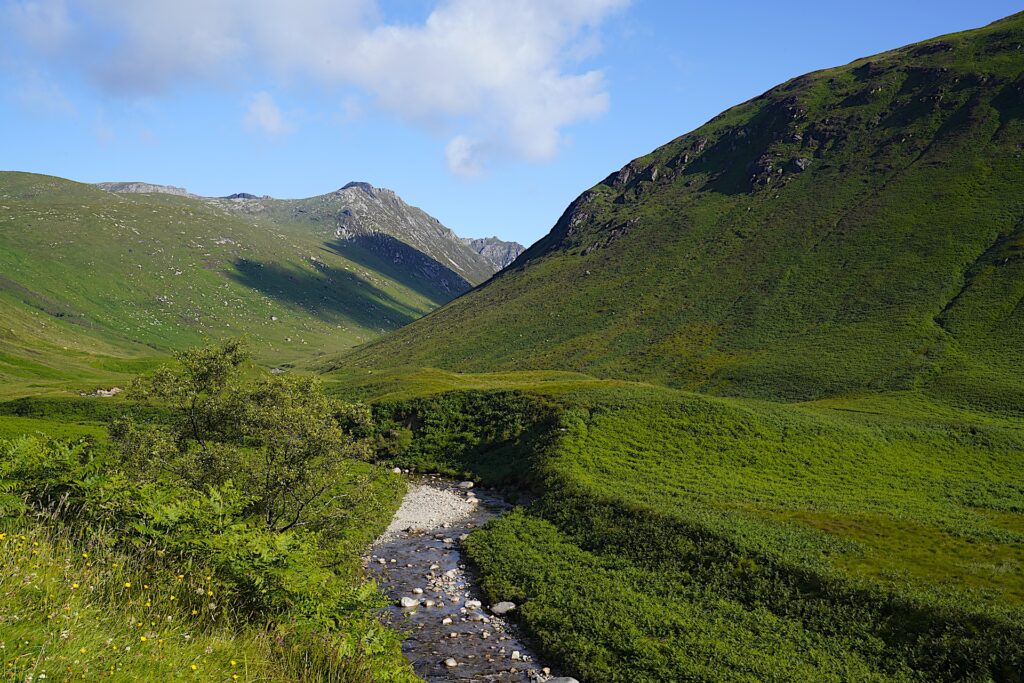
x,y
94,285
893,262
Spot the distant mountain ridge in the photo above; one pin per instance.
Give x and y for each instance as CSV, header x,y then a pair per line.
x,y
497,251
360,212
90,276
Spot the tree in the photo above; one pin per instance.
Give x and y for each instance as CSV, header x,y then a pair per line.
x,y
280,439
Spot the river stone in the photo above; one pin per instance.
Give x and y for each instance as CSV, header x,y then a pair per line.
x,y
450,662
409,602
397,470
503,607
465,484
473,604
562,679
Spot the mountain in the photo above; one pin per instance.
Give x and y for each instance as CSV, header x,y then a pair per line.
x,y
92,281
371,216
499,252
361,216
857,228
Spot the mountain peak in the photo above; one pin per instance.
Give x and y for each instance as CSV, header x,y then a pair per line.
x,y
359,185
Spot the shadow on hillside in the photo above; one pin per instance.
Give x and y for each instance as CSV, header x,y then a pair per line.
x,y
331,294
402,263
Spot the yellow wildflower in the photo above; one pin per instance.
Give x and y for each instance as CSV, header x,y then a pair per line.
x,y
74,586
127,584
142,639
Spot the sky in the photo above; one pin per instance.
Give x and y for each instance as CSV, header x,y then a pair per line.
x,y
491,115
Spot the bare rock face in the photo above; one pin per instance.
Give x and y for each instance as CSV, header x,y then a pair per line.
x,y
498,252
144,188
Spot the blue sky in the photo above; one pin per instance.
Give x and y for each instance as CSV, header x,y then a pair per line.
x,y
492,115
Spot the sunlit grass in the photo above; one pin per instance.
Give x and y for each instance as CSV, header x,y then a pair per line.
x,y
73,614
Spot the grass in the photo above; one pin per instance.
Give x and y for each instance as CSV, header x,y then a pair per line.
x,y
71,615
684,537
57,428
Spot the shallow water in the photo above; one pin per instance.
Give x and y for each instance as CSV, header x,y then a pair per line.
x,y
408,561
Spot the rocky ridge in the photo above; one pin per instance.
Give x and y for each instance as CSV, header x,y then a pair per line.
x,y
144,188
499,252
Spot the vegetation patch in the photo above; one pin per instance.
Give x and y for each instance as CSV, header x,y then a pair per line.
x,y
222,541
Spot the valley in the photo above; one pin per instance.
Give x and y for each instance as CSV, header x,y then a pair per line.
x,y
752,410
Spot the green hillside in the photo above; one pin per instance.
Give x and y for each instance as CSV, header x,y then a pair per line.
x,y
95,284
858,228
849,246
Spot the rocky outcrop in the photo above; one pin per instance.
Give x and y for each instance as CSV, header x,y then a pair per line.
x,y
498,252
144,188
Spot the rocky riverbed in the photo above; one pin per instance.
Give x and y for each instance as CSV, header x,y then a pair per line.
x,y
453,633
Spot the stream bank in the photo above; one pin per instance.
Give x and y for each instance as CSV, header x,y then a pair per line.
x,y
453,634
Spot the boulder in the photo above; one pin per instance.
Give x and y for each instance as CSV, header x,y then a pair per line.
x,y
503,607
801,164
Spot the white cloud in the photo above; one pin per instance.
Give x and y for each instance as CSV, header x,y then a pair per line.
x,y
463,157
504,72
263,115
